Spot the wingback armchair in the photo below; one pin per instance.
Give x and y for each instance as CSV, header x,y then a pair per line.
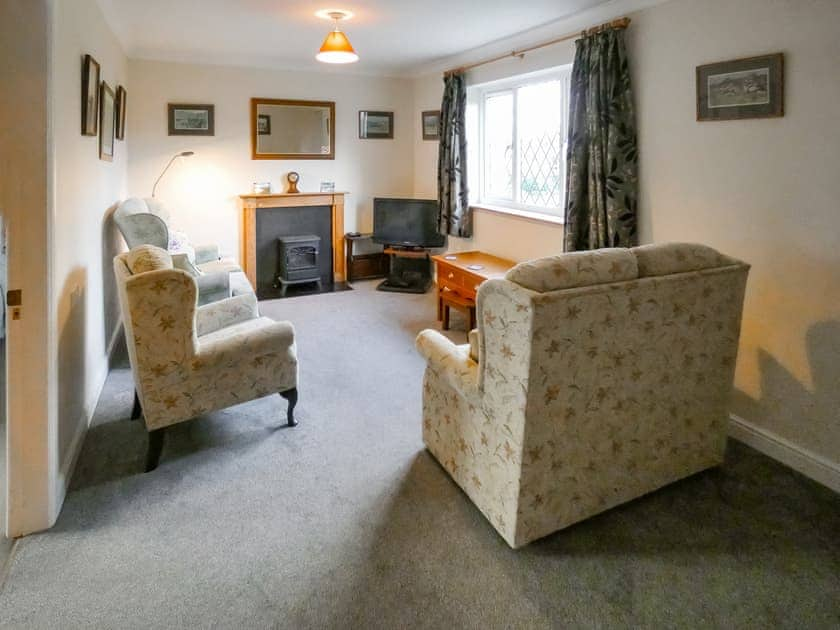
x,y
188,360
592,379
146,222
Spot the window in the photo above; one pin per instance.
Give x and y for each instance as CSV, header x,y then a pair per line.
x,y
517,141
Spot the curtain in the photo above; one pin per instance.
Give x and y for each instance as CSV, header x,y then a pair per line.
x,y
602,186
454,214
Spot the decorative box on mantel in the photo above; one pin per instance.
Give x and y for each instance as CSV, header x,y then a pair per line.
x,y
255,203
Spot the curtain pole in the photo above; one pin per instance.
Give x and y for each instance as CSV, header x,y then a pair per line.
x,y
617,24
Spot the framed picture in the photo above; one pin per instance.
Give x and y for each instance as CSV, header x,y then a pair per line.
x,y
741,88
431,124
120,112
191,120
328,187
90,95
106,127
264,124
376,125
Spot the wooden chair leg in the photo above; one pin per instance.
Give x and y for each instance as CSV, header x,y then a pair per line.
x,y
472,318
292,396
154,450
445,319
136,409
440,306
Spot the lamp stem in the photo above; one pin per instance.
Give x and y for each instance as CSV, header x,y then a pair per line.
x,y
166,168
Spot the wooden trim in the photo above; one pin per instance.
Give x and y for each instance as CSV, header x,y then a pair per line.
x,y
251,204
256,101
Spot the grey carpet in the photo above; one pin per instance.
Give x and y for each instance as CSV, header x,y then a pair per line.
x,y
346,522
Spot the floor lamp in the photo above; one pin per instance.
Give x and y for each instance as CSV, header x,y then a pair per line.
x,y
166,168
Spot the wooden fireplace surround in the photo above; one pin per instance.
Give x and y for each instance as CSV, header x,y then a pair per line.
x,y
252,203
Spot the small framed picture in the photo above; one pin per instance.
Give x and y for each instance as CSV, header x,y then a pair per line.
x,y
191,120
264,124
741,88
328,187
261,188
431,124
120,106
90,95
106,126
376,125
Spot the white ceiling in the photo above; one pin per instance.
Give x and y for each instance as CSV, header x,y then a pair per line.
x,y
393,37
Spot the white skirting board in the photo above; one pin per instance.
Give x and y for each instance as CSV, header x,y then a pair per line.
x,y
802,460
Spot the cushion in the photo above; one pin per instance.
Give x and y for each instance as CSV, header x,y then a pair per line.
x,y
473,337
575,269
145,258
666,258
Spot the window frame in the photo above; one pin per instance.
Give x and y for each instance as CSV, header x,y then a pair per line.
x,y
477,96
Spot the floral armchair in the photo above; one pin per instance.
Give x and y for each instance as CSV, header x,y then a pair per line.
x,y
592,379
146,222
188,360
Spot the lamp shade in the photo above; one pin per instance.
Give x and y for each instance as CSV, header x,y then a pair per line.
x,y
337,49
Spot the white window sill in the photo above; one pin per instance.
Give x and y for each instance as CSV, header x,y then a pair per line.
x,y
528,215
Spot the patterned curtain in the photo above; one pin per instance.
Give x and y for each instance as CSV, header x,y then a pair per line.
x,y
602,185
454,214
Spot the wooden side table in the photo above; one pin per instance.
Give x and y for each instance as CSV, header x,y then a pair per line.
x,y
363,266
458,277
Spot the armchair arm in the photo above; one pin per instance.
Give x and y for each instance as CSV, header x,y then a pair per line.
x,y
450,362
272,338
206,253
223,313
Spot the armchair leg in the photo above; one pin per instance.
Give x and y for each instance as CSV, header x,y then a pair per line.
x,y
136,409
155,447
292,396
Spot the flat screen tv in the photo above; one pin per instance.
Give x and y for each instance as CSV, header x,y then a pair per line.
x,y
406,222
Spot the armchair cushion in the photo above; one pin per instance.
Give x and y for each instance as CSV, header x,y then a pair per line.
x,y
206,253
223,313
145,258
575,269
667,258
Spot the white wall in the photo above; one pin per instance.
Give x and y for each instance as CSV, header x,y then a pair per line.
x,y
763,190
202,191
86,190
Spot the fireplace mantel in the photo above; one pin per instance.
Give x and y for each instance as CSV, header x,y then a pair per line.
x,y
252,203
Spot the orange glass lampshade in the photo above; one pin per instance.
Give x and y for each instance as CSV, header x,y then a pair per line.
x,y
337,49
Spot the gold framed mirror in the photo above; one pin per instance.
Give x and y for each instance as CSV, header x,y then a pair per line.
x,y
283,129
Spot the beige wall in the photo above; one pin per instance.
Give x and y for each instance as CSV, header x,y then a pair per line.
x,y
84,242
764,190
202,191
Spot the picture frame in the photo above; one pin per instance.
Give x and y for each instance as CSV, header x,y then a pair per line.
x,y
739,89
191,120
120,110
376,125
90,96
327,187
106,127
430,124
264,124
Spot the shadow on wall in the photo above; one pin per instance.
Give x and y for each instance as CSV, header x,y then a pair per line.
x,y
787,407
112,244
72,358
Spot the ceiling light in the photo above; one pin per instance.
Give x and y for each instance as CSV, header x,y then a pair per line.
x,y
336,47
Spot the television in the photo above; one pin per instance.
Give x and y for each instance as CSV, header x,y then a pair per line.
x,y
406,222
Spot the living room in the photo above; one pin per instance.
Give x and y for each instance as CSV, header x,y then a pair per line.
x,y
357,516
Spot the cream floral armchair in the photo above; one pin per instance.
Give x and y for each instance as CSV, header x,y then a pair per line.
x,y
593,378
189,360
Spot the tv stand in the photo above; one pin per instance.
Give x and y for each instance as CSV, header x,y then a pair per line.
x,y
409,270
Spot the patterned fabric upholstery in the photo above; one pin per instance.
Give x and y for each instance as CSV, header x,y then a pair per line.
x,y
188,360
664,258
583,398
576,269
148,258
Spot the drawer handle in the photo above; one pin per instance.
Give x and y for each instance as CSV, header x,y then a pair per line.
x,y
451,275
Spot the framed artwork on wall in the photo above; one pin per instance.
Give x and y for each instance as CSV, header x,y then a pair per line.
x,y
106,127
430,121
191,120
376,125
90,95
741,88
120,106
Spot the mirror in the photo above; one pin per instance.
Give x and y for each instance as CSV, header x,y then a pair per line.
x,y
292,130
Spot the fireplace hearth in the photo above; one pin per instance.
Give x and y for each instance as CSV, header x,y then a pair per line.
x,y
298,261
